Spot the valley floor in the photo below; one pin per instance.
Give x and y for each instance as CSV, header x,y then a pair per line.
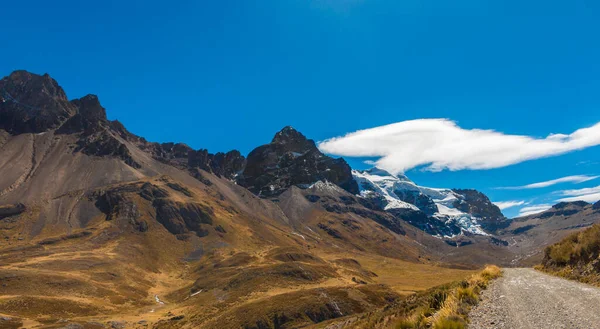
x,y
525,298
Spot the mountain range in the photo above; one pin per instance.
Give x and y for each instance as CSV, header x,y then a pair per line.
x,y
102,227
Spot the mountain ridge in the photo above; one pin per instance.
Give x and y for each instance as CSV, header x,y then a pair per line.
x,y
156,231
290,159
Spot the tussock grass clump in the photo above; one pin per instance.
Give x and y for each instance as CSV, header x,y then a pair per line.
x,y
469,295
406,324
454,322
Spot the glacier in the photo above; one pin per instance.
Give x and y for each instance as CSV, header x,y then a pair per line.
x,y
399,192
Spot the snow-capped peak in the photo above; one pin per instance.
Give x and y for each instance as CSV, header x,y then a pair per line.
x,y
399,192
379,183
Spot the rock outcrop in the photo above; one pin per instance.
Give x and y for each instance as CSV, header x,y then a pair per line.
x,y
179,218
11,210
292,160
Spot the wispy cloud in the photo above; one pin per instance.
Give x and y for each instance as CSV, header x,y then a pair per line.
x,y
587,163
441,144
589,194
591,198
508,204
568,179
531,210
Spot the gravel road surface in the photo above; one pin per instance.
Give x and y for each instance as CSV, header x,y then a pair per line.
x,y
525,298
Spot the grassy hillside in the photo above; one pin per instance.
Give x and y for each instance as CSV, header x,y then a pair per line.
x,y
576,257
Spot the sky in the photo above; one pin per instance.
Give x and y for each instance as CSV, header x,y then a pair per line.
x,y
492,95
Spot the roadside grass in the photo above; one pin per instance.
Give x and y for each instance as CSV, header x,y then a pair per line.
x,y
441,307
456,307
450,309
575,257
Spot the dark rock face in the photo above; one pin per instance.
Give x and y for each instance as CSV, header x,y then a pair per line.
x,y
329,230
96,136
426,223
459,242
181,218
420,200
574,204
180,155
11,210
479,205
522,229
30,103
90,117
151,192
119,204
104,144
292,159
227,164
358,206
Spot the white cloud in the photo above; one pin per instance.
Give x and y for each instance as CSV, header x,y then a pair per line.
x,y
591,198
569,179
441,144
589,194
581,191
526,211
508,204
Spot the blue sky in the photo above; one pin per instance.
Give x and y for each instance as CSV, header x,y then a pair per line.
x,y
229,74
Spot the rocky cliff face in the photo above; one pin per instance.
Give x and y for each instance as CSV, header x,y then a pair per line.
x,y
292,160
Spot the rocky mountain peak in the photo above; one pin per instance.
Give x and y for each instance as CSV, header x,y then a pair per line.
x,y
90,117
293,141
31,103
89,106
287,133
26,84
292,159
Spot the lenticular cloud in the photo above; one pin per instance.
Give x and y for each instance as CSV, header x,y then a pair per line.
x,y
440,144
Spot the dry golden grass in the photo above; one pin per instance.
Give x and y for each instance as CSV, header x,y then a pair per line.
x,y
404,277
256,271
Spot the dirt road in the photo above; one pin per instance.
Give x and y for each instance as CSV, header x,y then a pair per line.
x,y
525,298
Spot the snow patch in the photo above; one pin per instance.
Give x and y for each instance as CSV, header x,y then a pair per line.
x,y
300,235
325,186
